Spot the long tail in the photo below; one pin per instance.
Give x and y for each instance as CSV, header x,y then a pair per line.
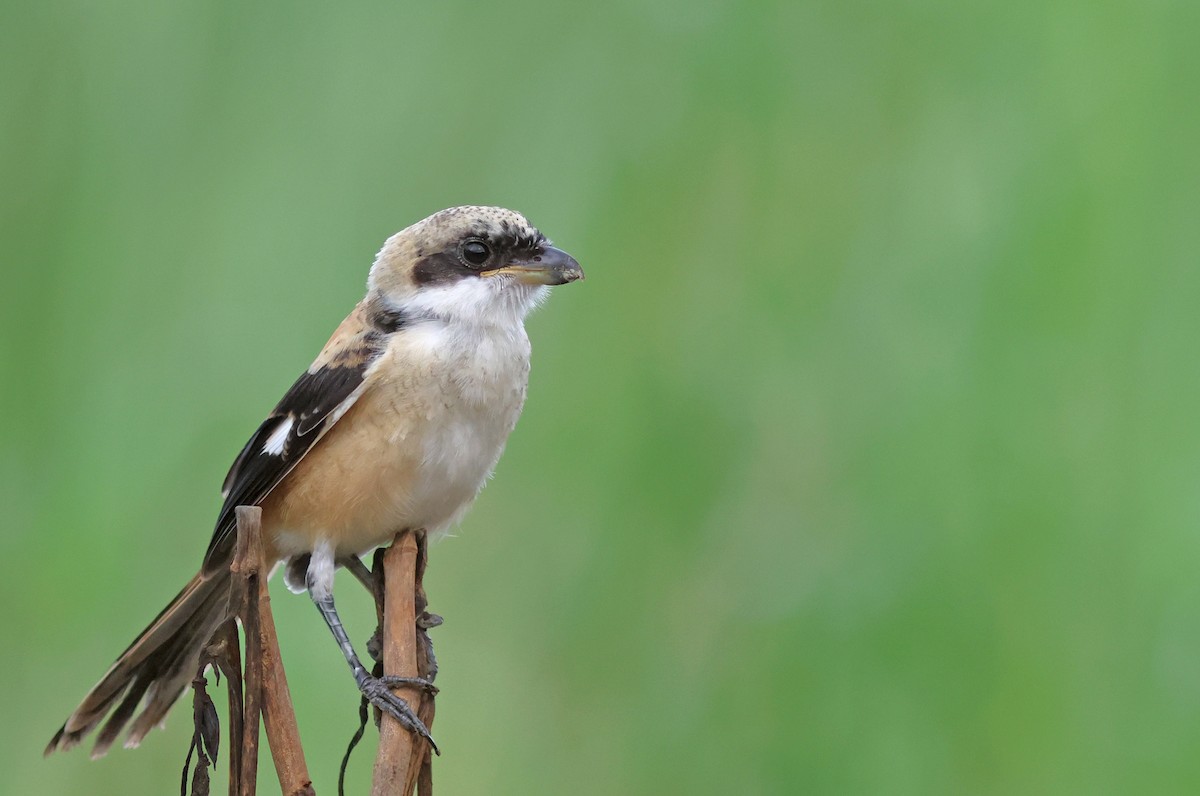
x,y
154,670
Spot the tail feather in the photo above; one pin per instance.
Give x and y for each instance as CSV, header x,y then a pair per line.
x,y
120,716
177,671
153,671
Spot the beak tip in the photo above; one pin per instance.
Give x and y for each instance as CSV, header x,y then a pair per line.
x,y
563,265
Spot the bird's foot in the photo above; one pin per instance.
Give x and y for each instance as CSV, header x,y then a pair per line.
x,y
378,693
392,681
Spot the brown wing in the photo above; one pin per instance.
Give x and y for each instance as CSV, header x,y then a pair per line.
x,y
309,409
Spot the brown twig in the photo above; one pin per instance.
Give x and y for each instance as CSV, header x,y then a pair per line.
x,y
422,761
266,689
279,717
243,594
402,755
225,651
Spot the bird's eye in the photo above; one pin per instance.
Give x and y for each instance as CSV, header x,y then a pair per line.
x,y
476,252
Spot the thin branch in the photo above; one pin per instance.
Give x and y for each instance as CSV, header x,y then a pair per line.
x,y
266,688
224,650
401,753
243,593
421,762
279,717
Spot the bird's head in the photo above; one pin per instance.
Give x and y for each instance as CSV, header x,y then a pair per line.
x,y
482,264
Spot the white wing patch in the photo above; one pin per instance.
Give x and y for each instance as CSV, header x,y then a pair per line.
x,y
274,443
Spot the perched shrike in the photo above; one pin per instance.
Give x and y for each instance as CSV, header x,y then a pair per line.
x,y
396,425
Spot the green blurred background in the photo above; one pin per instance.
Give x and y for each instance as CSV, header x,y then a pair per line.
x,y
864,461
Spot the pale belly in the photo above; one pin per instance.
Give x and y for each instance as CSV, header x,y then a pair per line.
x,y
413,452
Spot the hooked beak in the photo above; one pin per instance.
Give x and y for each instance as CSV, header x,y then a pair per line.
x,y
551,267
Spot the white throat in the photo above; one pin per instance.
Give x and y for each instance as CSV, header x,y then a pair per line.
x,y
498,301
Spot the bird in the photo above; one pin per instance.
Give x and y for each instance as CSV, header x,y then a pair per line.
x,y
396,425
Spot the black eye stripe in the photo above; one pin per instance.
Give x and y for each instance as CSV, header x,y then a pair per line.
x,y
477,249
441,268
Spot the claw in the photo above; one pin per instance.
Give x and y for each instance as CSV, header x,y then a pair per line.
x,y
393,681
376,690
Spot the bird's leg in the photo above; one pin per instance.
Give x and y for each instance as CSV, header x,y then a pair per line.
x,y
295,575
375,689
355,566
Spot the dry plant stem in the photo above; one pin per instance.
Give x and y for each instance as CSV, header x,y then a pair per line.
x,y
420,770
394,772
279,717
266,689
225,653
233,686
244,595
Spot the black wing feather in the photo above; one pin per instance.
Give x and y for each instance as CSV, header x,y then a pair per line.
x,y
310,406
